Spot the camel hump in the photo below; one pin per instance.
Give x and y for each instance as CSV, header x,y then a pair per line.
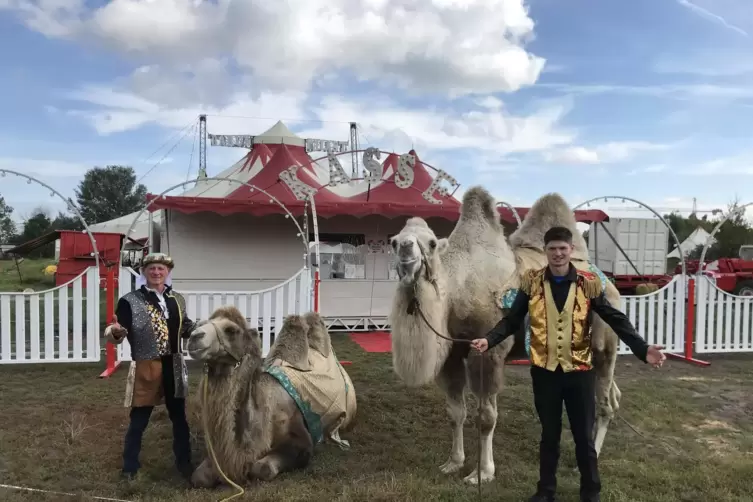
x,y
550,210
479,203
318,335
291,343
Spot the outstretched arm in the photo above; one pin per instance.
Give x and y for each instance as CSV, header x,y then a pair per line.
x,y
121,327
621,325
511,322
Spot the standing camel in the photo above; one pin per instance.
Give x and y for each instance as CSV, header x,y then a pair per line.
x,y
455,286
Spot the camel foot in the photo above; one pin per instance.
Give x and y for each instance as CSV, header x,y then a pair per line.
x,y
486,476
451,466
204,477
264,470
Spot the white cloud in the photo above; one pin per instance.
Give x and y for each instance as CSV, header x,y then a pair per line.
x,y
715,18
448,46
682,92
617,208
615,151
741,164
117,111
385,123
44,168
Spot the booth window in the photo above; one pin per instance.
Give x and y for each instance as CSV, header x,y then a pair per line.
x,y
343,256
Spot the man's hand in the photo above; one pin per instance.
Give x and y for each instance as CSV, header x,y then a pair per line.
x,y
655,356
117,331
480,344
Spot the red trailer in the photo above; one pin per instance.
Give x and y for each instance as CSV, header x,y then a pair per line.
x,y
76,254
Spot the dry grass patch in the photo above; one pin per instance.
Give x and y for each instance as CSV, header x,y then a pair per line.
x,y
62,429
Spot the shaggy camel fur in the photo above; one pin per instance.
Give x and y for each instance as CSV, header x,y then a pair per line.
x,y
527,243
256,428
458,282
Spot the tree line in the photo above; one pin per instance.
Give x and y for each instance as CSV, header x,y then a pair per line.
x,y
104,193
735,232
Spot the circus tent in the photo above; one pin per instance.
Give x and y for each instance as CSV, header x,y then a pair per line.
x,y
279,151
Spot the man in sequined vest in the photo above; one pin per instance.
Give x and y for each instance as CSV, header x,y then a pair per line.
x,y
153,319
560,300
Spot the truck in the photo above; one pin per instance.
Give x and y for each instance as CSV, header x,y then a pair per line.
x,y
733,275
630,251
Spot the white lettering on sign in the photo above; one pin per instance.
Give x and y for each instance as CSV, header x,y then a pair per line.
x,y
300,189
373,169
436,187
231,140
337,175
326,145
405,170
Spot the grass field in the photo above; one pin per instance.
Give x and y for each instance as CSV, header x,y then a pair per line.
x,y
61,429
32,275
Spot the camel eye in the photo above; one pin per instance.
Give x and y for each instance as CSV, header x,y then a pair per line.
x,y
433,244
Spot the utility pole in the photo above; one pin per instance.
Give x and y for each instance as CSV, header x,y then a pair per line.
x,y
353,148
202,146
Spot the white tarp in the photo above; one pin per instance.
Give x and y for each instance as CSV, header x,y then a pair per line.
x,y
695,239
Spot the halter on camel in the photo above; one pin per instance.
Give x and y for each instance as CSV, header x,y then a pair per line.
x,y
204,420
415,306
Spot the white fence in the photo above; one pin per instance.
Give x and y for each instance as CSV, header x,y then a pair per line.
x,y
57,325
659,317
723,320
264,309
63,323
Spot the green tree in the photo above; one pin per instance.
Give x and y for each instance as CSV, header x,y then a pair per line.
x,y
109,192
37,225
67,222
7,226
735,232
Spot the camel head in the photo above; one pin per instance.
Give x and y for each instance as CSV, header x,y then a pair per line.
x,y
223,339
417,248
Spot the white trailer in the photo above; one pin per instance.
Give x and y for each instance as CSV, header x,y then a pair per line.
x,y
629,246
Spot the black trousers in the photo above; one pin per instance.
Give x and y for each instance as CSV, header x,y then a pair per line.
x,y
176,409
576,389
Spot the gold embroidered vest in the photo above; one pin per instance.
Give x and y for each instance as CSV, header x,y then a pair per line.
x,y
560,338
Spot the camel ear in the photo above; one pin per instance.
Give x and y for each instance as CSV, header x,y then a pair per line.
x,y
442,245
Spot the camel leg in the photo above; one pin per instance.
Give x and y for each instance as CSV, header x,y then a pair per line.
x,y
607,395
295,454
452,381
204,476
488,422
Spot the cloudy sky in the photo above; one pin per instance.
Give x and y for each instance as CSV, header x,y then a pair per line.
x,y
651,99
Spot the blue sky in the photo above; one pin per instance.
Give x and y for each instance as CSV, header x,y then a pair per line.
x,y
651,99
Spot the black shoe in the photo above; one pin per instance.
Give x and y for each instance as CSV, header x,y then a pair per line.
x,y
541,497
186,470
127,476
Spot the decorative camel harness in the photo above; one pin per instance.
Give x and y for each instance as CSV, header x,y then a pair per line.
x,y
415,306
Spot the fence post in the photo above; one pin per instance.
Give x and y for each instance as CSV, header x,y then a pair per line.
x,y
687,355
112,362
